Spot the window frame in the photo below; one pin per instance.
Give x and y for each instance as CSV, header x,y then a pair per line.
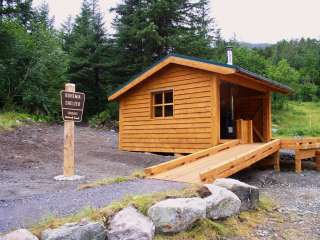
x,y
163,104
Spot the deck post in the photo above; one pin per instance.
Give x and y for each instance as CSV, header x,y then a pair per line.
x,y
277,161
297,161
318,160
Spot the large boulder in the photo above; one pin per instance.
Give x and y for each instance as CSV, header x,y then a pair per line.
x,y
221,203
175,215
248,194
129,224
85,230
20,234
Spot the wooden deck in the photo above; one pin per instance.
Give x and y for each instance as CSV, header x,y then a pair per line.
x,y
304,148
216,162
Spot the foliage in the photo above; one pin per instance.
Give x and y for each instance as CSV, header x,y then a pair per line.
x,y
148,30
36,60
104,118
11,120
298,119
32,66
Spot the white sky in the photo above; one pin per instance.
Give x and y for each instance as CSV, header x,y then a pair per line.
x,y
256,21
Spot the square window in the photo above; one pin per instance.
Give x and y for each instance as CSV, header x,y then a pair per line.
x,y
162,104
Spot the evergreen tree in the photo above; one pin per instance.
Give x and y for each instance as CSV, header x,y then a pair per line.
x,y
89,57
148,29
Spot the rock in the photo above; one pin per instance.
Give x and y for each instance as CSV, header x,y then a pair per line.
x,y
175,215
129,224
221,203
248,194
20,234
85,230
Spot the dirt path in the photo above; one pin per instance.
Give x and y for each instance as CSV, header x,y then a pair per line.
x,y
32,155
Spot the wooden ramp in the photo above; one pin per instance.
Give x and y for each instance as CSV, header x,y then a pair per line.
x,y
216,162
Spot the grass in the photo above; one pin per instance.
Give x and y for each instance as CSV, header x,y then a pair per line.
x,y
11,120
241,225
299,119
107,181
141,202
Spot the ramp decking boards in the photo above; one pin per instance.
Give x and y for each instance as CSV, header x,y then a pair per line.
x,y
222,161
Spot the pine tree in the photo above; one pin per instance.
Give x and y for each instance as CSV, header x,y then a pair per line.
x,y
147,30
88,57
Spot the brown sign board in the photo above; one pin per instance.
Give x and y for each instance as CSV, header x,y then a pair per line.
x,y
72,104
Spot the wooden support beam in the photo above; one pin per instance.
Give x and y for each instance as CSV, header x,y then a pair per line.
x,y
267,118
318,160
255,130
215,109
276,162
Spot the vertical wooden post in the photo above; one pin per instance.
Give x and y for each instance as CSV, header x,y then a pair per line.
x,y
215,110
267,118
318,160
277,161
68,150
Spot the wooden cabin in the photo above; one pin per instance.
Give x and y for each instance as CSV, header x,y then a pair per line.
x,y
183,104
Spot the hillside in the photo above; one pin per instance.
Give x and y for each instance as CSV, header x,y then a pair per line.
x,y
298,119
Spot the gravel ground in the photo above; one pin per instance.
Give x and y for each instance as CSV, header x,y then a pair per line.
x,y
31,156
30,210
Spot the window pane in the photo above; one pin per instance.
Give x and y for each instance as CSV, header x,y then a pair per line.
x,y
158,98
168,97
158,111
168,111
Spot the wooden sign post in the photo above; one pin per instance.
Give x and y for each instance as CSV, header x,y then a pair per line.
x,y
72,104
68,149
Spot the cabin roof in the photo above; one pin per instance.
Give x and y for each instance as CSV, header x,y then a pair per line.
x,y
198,63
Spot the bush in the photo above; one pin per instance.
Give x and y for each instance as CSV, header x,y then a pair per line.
x,y
107,118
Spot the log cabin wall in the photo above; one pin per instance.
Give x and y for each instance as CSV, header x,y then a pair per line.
x,y
195,122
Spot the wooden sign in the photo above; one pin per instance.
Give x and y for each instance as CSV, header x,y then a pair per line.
x,y
72,104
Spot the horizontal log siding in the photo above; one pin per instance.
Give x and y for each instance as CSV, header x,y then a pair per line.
x,y
190,129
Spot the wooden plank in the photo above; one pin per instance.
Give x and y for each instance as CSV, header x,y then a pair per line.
x,y
166,140
176,126
190,158
247,162
241,161
168,136
163,149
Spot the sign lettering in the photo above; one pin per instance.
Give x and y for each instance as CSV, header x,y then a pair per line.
x,y
72,104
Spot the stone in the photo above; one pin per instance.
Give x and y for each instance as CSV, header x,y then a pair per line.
x,y
129,224
248,194
69,178
221,203
176,215
20,234
85,230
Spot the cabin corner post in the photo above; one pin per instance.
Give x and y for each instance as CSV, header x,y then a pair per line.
x,y
120,125
267,117
215,110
